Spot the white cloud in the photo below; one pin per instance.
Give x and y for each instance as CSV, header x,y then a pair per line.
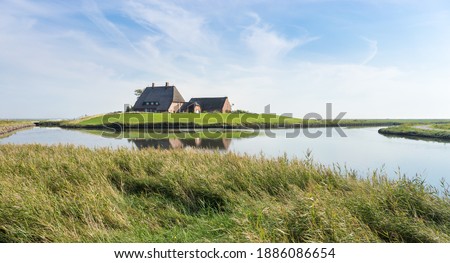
x,y
65,70
303,87
177,25
24,7
93,12
373,50
266,44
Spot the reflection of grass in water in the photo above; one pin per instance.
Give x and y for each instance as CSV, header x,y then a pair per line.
x,y
74,194
141,134
417,138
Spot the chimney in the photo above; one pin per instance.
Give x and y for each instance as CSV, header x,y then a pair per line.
x,y
167,84
153,84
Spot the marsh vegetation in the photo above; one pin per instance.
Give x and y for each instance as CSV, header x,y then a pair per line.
x,y
76,194
439,132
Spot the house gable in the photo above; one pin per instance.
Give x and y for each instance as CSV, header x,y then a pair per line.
x,y
159,99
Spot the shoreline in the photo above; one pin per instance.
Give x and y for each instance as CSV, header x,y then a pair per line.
x,y
225,121
416,133
193,126
10,129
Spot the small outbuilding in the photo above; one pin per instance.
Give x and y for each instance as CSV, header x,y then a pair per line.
x,y
212,104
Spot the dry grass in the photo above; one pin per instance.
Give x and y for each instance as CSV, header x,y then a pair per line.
x,y
10,126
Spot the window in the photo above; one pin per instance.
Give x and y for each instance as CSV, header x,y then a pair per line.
x,y
150,103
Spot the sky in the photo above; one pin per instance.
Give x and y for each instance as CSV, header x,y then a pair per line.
x,y
371,59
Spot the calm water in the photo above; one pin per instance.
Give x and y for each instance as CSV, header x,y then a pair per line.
x,y
363,149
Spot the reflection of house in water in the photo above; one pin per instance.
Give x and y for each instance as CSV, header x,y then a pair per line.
x,y
174,143
220,143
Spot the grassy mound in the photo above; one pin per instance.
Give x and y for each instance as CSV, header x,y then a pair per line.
x,y
439,132
140,119
74,194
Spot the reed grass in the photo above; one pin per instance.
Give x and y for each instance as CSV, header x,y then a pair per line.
x,y
75,194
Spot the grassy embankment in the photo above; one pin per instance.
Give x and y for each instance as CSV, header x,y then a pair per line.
x,y
74,194
7,127
236,120
432,131
141,120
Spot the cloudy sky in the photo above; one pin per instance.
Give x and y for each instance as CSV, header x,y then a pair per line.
x,y
372,59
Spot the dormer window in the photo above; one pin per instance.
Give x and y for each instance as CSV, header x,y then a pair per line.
x,y
150,103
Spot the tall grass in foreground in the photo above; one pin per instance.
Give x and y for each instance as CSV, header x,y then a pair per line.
x,y
74,194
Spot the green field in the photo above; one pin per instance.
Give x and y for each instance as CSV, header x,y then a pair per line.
x,y
435,131
139,120
182,118
75,194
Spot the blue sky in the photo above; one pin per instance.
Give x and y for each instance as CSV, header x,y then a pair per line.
x,y
372,59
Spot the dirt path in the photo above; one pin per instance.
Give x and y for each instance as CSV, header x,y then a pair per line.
x,y
423,127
